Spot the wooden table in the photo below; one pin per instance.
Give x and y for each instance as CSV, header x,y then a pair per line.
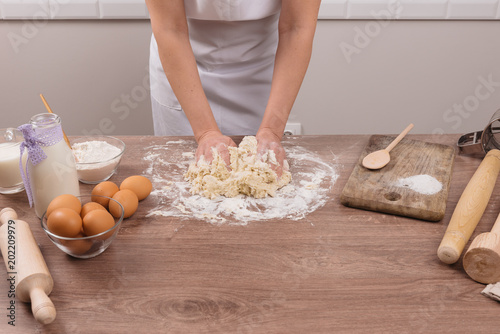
x,y
338,270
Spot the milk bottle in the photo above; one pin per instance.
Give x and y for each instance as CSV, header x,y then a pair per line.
x,y
51,169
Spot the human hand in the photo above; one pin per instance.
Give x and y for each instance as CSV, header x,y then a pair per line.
x,y
217,140
268,141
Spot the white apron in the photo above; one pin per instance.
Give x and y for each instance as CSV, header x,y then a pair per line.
x,y
234,43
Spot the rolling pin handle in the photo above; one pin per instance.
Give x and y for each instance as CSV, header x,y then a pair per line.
x,y
470,208
43,309
7,214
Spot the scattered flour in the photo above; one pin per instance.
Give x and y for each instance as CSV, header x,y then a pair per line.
x,y
310,188
423,184
180,141
188,154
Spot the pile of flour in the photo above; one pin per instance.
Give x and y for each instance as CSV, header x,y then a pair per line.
x,y
94,151
313,179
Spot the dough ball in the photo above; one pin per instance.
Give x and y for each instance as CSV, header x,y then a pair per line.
x,y
248,174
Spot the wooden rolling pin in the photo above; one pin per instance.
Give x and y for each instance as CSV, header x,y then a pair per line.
x,y
470,208
33,281
482,259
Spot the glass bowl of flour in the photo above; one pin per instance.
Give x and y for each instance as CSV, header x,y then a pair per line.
x,y
97,157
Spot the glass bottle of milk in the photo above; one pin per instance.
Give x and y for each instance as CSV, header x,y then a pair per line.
x,y
56,174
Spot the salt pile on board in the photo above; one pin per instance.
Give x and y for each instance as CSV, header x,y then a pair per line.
x,y
423,184
309,190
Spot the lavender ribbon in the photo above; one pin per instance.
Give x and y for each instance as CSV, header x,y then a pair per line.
x,y
33,143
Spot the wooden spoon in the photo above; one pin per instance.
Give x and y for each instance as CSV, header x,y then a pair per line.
x,y
380,158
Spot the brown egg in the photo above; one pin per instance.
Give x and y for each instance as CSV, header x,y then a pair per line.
x,y
64,201
98,221
64,222
106,188
128,199
91,206
140,185
78,247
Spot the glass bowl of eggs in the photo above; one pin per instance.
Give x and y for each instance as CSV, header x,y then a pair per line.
x,y
82,226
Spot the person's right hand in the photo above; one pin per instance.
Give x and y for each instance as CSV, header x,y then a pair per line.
x,y
214,139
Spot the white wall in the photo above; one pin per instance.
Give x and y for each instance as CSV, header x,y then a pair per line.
x,y
93,74
409,71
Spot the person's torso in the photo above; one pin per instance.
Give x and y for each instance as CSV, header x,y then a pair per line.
x,y
228,33
231,55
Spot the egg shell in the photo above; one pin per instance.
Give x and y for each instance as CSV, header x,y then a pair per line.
x,y
64,201
106,188
91,206
128,199
77,247
140,185
98,221
64,222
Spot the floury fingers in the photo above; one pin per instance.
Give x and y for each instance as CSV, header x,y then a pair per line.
x,y
248,175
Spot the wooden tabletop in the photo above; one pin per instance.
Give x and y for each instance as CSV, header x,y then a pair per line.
x,y
337,270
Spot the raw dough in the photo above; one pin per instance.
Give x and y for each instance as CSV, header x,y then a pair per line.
x,y
249,175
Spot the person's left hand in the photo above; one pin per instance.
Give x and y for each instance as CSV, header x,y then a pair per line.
x,y
268,141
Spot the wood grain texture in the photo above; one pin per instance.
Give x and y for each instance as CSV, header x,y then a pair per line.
x,y
338,270
378,190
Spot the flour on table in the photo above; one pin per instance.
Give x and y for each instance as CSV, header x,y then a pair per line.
x,y
313,180
248,174
423,184
188,154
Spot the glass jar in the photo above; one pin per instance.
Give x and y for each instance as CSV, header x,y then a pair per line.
x,y
55,174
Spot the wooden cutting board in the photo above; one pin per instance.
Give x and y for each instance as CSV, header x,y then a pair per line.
x,y
390,189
